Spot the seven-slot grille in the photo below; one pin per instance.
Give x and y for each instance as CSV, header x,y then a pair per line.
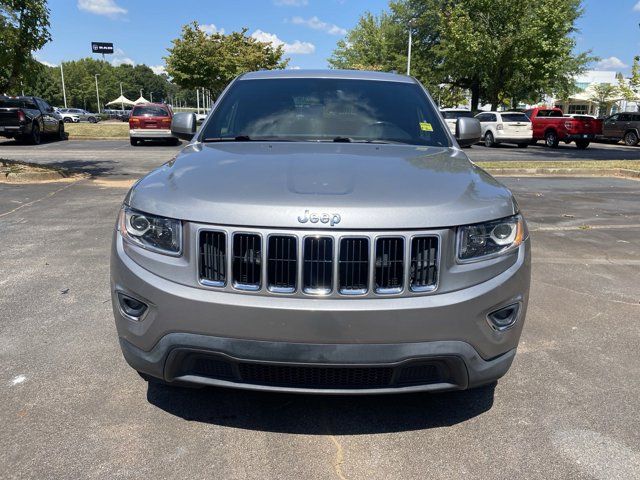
x,y
247,261
213,258
389,264
353,266
319,265
282,263
423,275
317,272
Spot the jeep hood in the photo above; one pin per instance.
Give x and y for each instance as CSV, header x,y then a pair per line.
x,y
369,186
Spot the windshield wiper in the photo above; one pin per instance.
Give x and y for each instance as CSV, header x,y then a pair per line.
x,y
239,138
247,138
353,140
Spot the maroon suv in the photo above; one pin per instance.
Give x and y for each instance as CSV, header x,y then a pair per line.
x,y
151,121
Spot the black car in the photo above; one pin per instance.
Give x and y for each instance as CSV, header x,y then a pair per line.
x,y
27,119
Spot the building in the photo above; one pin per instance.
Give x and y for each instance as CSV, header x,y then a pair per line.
x,y
582,101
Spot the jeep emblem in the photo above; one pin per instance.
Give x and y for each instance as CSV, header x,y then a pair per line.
x,y
313,217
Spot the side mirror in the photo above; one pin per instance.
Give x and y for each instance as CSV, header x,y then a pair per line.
x,y
468,131
183,125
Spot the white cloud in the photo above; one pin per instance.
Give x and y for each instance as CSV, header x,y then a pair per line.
x,y
636,7
293,67
317,24
291,3
108,8
158,69
211,29
120,58
294,48
611,63
48,64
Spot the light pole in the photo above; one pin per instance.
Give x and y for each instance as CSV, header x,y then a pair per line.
x,y
411,24
97,92
151,97
64,91
121,101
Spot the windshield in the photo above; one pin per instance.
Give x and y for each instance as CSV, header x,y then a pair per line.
x,y
454,115
515,117
17,103
149,111
317,109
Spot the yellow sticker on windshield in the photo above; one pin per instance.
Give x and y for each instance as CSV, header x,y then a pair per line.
x,y
426,127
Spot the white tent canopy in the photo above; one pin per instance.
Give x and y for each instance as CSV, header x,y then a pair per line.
x,y
121,100
141,100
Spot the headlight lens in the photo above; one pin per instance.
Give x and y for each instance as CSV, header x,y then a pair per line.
x,y
159,234
489,239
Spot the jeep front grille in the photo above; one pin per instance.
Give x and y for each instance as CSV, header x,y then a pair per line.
x,y
247,261
353,266
213,258
326,264
424,268
317,277
282,263
389,264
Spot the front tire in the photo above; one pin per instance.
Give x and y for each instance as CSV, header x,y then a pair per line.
x,y
61,134
523,145
582,144
631,139
92,120
67,120
551,139
489,141
133,141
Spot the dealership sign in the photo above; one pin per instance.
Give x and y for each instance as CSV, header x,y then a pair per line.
x,y
101,47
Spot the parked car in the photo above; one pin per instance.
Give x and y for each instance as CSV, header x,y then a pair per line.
x,y
122,115
27,119
68,117
151,121
451,116
505,127
323,233
622,126
550,125
83,115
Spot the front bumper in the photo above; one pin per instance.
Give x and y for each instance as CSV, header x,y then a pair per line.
x,y
150,133
303,344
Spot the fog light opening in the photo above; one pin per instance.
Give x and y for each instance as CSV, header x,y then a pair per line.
x,y
504,318
131,307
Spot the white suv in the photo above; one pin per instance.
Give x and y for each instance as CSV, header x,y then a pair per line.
x,y
505,127
451,116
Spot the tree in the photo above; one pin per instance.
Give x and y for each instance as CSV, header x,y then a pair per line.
x,y
604,94
375,43
499,50
24,28
201,60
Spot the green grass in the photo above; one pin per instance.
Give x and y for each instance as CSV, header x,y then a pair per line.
x,y
97,130
569,164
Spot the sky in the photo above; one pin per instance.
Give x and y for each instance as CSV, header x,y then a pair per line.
x,y
142,30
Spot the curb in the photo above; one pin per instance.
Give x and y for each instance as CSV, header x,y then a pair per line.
x,y
18,177
569,172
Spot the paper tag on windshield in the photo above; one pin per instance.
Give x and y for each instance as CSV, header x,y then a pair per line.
x,y
426,127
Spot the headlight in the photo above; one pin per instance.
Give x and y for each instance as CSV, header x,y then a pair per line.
x,y
162,235
489,239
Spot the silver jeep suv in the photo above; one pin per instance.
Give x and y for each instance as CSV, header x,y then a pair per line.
x,y
323,232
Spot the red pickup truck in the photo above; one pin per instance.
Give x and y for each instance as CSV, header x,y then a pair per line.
x,y
550,125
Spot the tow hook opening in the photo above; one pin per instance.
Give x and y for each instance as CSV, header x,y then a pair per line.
x,y
131,307
504,318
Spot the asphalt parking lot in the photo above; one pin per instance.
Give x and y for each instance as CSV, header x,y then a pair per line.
x,y
119,158
72,408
